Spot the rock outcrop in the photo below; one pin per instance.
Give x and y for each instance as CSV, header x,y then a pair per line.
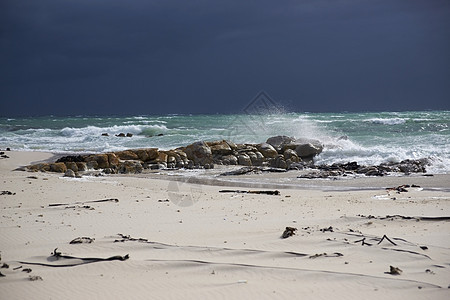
x,y
280,152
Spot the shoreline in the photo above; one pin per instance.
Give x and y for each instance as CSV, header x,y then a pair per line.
x,y
282,180
289,180
191,241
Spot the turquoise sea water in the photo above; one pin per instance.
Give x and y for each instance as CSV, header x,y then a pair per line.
x,y
368,138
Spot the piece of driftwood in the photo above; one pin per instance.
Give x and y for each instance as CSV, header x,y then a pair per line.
x,y
400,188
252,169
394,271
92,201
330,229
84,260
335,254
275,192
82,240
363,242
6,193
288,232
420,218
388,239
126,238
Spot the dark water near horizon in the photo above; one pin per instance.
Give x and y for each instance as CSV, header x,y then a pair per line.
x,y
371,138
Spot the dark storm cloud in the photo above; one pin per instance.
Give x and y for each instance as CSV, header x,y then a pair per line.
x,y
128,57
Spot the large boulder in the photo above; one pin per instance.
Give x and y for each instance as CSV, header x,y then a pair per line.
x,y
220,147
305,148
162,157
101,159
69,173
199,153
229,160
81,166
113,160
152,153
130,167
71,166
244,159
142,154
278,141
278,162
267,150
127,155
257,158
59,167
43,167
291,155
92,164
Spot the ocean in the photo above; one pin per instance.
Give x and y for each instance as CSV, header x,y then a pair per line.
x,y
367,138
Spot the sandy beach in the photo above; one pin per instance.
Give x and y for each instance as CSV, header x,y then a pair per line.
x,y
153,237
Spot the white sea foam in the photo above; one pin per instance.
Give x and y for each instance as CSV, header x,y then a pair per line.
x,y
387,121
112,130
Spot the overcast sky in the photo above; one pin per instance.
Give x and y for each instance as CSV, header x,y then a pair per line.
x,y
95,57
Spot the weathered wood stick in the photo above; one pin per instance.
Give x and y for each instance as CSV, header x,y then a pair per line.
x,y
275,192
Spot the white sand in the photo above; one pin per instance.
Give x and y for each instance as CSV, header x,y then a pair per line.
x,y
216,245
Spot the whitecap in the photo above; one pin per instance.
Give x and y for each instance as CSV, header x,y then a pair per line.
x,y
389,121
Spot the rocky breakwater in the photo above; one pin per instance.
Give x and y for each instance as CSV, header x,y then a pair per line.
x,y
277,152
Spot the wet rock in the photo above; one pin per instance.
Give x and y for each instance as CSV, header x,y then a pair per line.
x,y
257,159
126,155
71,158
101,159
305,148
244,160
58,167
142,154
91,165
113,160
43,167
220,148
267,150
277,142
229,160
71,166
81,166
292,155
162,157
278,162
130,167
242,171
69,173
152,153
199,153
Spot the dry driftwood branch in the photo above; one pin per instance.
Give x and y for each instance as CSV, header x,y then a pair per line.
x,y
92,201
385,237
84,260
363,242
275,192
